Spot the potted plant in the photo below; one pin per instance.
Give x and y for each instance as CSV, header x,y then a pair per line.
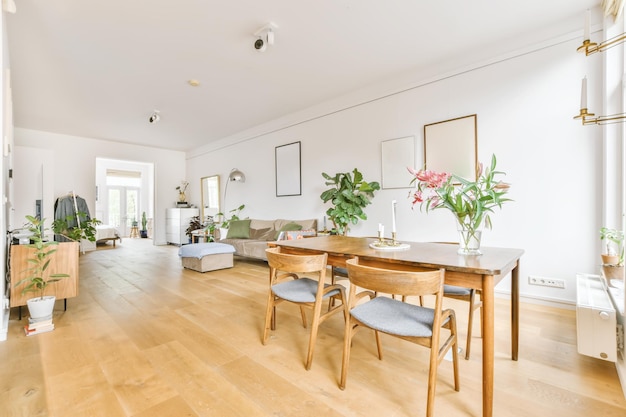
x,y
471,202
86,230
613,253
226,222
349,194
39,277
144,226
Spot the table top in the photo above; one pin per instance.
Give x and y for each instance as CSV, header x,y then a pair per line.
x,y
493,261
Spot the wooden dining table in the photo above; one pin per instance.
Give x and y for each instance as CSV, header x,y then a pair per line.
x,y
482,272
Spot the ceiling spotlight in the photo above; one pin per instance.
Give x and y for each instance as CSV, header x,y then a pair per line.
x,y
154,117
265,36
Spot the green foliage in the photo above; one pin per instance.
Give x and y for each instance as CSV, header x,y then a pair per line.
x,y
37,281
613,237
470,201
348,195
144,222
234,216
87,229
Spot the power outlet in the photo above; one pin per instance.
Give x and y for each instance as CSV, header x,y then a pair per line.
x,y
546,282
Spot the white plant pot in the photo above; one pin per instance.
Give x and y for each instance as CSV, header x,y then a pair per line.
x,y
223,233
38,307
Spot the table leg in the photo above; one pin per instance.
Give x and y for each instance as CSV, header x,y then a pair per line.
x,y
515,312
488,341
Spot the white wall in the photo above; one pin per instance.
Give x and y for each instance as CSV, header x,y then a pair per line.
x,y
525,104
75,164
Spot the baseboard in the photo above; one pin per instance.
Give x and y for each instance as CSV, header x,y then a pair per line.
x,y
544,301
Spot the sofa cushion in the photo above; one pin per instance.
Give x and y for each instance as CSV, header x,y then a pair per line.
x,y
306,224
239,229
287,227
262,234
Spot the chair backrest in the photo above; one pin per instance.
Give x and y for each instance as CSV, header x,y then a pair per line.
x,y
296,263
390,281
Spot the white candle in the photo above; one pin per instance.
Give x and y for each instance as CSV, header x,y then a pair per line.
x,y
586,34
393,216
583,94
324,222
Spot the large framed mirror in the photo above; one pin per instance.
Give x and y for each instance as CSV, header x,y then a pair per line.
x,y
210,192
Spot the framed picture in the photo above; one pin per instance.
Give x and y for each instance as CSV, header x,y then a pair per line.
x,y
451,146
288,171
396,156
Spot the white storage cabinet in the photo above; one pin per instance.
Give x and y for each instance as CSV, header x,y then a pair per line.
x,y
176,222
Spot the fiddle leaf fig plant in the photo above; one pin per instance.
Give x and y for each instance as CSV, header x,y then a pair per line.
x,y
349,194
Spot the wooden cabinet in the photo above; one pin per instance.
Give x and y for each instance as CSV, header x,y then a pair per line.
x,y
64,261
176,222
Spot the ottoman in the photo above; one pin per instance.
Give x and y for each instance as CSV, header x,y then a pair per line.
x,y
203,257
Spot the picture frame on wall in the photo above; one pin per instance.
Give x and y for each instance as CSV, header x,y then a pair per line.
x,y
288,170
452,146
396,156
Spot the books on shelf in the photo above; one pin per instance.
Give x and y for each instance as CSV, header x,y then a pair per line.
x,y
38,325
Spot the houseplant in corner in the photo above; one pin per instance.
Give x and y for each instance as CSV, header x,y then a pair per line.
x,y
144,226
39,278
613,253
349,194
469,201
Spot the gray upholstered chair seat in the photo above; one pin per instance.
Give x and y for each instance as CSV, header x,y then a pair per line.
x,y
301,290
454,290
395,317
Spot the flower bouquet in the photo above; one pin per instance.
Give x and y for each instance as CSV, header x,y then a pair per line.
x,y
469,201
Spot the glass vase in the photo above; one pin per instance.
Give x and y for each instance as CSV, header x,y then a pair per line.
x,y
469,239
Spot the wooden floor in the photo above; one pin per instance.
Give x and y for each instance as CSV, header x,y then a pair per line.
x,y
147,338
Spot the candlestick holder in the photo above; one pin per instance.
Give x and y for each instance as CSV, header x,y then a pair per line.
x,y
388,244
588,119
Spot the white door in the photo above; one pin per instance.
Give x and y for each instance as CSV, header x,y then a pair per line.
x,y
123,208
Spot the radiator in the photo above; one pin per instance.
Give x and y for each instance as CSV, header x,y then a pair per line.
x,y
596,324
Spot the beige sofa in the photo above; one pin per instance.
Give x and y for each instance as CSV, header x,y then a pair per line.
x,y
261,232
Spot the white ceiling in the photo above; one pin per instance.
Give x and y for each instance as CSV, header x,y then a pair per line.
x,y
98,68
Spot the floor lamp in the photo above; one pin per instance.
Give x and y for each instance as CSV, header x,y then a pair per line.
x,y
234,176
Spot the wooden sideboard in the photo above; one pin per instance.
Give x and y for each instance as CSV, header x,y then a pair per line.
x,y
64,261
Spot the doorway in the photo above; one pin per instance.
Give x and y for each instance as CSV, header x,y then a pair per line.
x,y
125,190
123,208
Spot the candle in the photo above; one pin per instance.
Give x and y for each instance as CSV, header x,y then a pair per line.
x,y
324,222
393,216
381,229
586,34
583,94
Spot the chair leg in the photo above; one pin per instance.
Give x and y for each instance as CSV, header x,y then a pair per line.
x,y
432,380
303,314
379,345
347,345
270,317
317,311
455,349
470,324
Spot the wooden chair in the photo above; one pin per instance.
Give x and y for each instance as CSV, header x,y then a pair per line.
x,y
469,295
410,322
287,285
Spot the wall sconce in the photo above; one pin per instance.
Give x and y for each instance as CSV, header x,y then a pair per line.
x,y
588,118
589,47
592,47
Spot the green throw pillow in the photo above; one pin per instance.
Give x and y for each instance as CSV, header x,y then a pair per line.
x,y
239,229
289,227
